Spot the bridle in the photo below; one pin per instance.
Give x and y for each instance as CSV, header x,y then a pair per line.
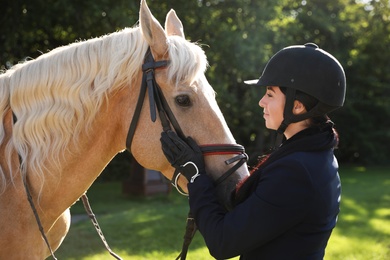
x,y
158,103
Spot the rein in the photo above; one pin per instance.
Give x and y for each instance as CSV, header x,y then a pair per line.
x,y
32,205
87,208
37,219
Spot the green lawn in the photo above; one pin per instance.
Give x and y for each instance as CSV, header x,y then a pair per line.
x,y
152,228
363,229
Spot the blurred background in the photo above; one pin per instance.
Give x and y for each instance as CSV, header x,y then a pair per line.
x,y
239,36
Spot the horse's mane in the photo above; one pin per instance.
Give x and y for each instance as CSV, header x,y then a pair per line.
x,y
57,96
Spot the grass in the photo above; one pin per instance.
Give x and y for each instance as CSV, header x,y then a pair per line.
x,y
363,228
153,227
135,227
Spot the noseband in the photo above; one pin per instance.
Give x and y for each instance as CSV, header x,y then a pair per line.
x,y
158,103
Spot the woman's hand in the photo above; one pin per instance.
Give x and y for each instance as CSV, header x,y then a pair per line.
x,y
184,155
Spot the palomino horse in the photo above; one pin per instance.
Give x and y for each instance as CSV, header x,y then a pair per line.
x,y
66,114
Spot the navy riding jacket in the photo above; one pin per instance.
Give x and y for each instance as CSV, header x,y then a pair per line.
x,y
289,214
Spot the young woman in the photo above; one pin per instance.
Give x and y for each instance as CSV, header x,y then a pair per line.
x,y
288,206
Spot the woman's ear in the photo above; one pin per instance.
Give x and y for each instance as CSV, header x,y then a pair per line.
x,y
299,108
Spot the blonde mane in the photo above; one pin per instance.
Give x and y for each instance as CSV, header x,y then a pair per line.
x,y
57,96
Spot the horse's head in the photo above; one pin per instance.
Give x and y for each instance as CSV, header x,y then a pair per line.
x,y
191,99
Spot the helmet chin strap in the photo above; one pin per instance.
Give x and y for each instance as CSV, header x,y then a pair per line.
x,y
289,117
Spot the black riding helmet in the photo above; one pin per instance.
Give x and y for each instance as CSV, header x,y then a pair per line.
x,y
310,70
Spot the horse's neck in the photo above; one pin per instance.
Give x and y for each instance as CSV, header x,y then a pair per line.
x,y
84,163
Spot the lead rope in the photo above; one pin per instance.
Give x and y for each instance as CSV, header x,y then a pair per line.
x,y
29,198
95,223
87,208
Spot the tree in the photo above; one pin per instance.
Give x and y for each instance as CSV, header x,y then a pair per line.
x,y
30,28
239,36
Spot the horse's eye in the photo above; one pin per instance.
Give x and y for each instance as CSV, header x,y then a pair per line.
x,y
183,101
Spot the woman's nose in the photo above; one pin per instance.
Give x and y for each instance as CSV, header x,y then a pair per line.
x,y
261,102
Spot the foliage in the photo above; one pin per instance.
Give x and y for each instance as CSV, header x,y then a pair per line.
x,y
239,37
153,227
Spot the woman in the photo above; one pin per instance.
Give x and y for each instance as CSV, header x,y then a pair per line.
x,y
288,206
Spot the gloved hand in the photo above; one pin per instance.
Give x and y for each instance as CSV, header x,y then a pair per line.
x,y
185,156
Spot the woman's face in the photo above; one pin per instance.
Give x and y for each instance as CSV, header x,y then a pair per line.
x,y
273,105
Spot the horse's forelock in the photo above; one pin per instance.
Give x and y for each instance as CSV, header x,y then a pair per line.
x,y
187,60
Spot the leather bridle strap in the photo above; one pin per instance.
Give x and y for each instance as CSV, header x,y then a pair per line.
x,y
241,158
156,100
189,234
37,219
31,202
218,149
95,223
136,115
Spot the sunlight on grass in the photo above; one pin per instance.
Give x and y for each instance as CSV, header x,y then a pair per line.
x,y
380,223
356,210
363,228
342,247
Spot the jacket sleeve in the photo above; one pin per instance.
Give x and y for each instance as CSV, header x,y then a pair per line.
x,y
277,204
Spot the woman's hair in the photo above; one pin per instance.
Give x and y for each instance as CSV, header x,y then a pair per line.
x,y
309,102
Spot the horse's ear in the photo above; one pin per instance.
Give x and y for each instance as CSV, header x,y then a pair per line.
x,y
173,25
152,31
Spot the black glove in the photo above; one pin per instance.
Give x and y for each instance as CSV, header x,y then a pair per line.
x,y
185,156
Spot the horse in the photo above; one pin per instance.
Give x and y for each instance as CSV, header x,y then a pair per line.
x,y
66,114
